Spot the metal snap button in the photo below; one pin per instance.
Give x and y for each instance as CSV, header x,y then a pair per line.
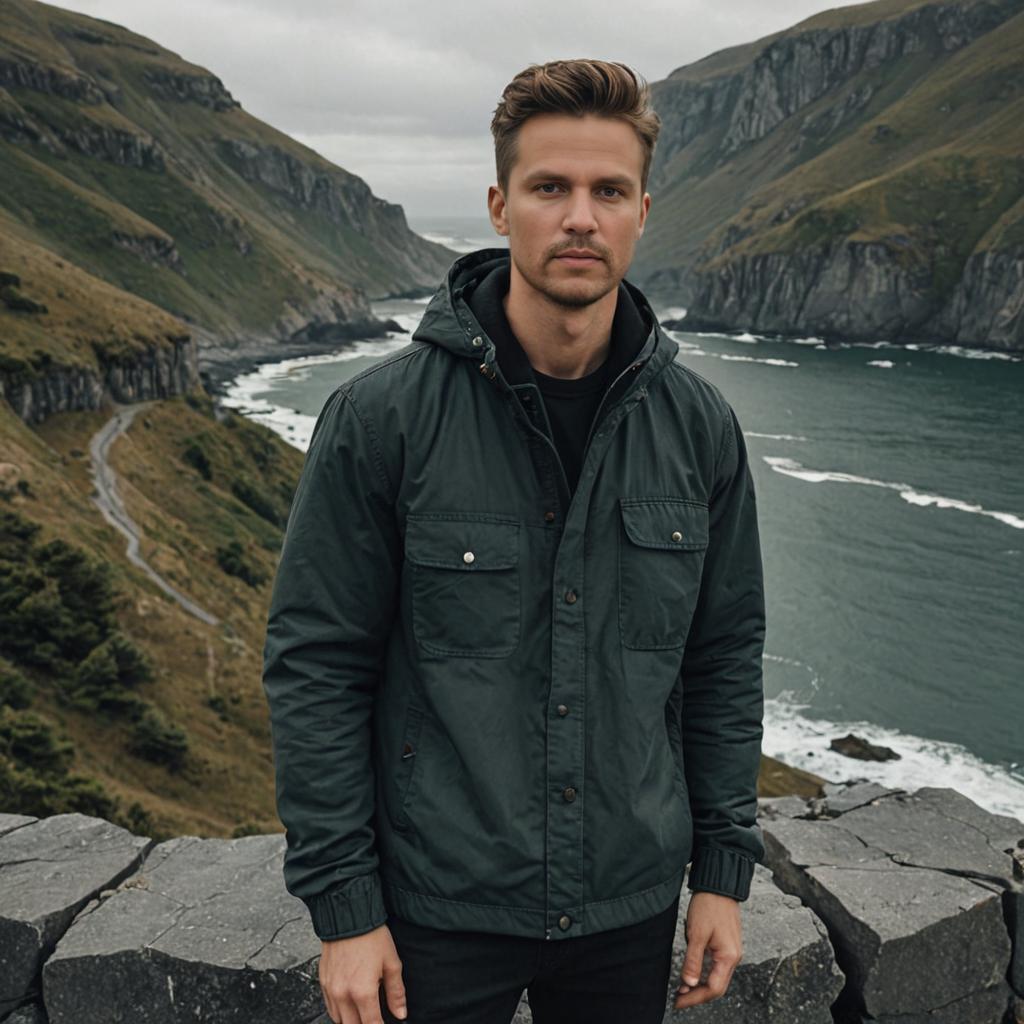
x,y
468,557
570,597
569,793
563,710
564,922
677,535
477,341
549,516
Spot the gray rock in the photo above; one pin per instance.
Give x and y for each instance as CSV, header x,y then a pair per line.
x,y
49,869
989,1006
782,806
840,798
30,1013
940,828
9,822
160,371
205,930
910,887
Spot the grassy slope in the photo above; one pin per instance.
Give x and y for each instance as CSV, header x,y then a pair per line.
x,y
184,519
73,202
946,171
85,317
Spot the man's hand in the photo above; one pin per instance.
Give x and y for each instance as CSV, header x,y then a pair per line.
x,y
350,975
712,922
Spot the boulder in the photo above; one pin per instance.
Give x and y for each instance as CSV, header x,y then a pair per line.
x,y
49,869
919,895
205,931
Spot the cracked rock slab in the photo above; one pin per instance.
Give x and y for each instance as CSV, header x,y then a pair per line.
x,y
944,830
909,888
49,869
204,931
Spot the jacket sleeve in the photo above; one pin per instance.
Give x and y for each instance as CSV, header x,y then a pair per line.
x,y
723,692
331,609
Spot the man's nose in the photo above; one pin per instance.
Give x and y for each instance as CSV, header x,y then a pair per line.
x,y
579,213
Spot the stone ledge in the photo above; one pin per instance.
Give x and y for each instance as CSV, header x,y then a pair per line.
x,y
873,905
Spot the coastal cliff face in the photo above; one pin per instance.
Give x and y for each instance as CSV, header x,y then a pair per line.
x,y
158,371
857,176
125,160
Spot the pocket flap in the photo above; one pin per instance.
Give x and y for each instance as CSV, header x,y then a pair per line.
x,y
462,541
658,522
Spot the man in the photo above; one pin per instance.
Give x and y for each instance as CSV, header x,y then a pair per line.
x,y
513,654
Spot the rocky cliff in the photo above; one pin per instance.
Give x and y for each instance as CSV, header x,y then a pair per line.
x,y
857,176
123,159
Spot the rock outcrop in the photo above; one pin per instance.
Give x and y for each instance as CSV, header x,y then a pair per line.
x,y
873,905
856,177
37,392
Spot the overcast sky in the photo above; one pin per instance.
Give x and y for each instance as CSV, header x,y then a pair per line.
x,y
402,93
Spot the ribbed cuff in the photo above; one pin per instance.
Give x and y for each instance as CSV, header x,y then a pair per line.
x,y
357,907
715,869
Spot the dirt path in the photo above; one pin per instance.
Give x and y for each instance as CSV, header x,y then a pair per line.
x,y
110,503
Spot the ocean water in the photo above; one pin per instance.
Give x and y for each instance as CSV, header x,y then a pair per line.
x,y
891,509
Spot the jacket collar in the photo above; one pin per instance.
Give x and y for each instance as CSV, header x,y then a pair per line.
x,y
628,329
449,320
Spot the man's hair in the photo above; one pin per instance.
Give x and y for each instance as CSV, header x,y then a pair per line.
x,y
577,87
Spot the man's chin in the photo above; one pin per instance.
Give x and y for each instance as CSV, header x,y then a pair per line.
x,y
576,298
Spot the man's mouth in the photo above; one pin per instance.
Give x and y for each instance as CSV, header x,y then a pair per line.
x,y
578,256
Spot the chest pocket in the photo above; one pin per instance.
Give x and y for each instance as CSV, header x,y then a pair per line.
x,y
464,583
661,557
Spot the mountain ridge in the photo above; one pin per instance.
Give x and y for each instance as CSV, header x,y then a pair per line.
x,y
858,176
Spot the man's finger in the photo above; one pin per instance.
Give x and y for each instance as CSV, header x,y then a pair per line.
x,y
721,973
693,960
369,1008
394,991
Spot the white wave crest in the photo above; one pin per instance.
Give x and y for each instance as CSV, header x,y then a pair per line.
x,y
790,467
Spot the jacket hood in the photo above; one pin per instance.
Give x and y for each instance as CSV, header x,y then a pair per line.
x,y
449,322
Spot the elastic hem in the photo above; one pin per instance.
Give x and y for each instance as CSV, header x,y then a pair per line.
x,y
355,908
715,869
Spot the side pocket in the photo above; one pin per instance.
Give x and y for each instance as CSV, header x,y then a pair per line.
x,y
674,729
406,772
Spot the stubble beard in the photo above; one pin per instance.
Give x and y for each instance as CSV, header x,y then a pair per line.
x,y
572,297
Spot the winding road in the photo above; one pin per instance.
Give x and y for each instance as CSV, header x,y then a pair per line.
x,y
110,503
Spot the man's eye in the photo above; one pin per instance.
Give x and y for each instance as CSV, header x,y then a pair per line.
x,y
547,185
610,191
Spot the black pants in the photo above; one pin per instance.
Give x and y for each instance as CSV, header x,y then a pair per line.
x,y
470,977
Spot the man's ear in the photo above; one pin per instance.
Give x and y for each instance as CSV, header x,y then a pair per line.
x,y
496,209
645,206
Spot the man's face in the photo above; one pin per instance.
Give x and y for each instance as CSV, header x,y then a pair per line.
x,y
574,188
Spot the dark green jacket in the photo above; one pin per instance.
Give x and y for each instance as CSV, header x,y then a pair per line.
x,y
496,708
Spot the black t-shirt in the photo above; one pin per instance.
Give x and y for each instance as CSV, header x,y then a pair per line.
x,y
571,404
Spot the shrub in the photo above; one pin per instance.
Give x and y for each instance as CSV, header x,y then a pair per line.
x,y
232,560
156,739
30,741
15,690
253,498
197,458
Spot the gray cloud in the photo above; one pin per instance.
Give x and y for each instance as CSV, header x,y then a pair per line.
x,y
402,93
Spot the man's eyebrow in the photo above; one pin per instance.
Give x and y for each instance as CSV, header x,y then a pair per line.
x,y
542,175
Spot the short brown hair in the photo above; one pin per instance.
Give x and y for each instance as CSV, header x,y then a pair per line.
x,y
577,87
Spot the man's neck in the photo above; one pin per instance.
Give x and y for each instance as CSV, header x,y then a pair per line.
x,y
559,341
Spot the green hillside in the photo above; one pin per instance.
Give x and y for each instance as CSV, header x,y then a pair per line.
x,y
139,167
860,175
